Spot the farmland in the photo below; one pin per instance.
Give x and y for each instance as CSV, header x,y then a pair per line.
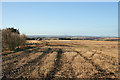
x,y
62,59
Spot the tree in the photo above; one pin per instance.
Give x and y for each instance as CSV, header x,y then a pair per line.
x,y
13,30
12,39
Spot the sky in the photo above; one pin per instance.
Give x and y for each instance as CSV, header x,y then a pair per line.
x,y
62,18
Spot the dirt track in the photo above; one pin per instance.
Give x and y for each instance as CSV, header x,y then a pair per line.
x,y
63,60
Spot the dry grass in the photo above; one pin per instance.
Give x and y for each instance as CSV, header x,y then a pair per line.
x,y
64,59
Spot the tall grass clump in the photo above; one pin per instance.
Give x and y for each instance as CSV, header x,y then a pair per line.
x,y
11,39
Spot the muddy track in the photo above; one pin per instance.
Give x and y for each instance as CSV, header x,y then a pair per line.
x,y
19,54
37,61
14,59
107,58
17,50
101,53
14,72
74,57
57,65
101,72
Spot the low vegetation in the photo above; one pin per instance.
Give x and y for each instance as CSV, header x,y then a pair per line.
x,y
11,39
63,59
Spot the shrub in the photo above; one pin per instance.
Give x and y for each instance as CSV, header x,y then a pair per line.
x,y
12,39
22,40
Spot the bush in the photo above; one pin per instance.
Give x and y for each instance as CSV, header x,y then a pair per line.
x,y
12,40
22,40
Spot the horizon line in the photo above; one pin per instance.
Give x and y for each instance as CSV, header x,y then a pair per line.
x,y
68,35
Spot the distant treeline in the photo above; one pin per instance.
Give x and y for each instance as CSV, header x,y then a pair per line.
x,y
84,38
33,38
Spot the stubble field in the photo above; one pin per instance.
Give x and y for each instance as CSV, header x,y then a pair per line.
x,y
63,59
